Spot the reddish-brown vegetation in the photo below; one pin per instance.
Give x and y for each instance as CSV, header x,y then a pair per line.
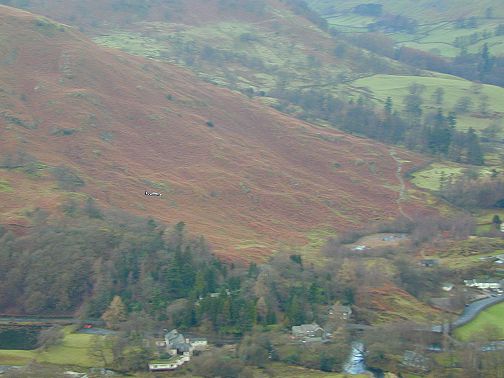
x,y
256,176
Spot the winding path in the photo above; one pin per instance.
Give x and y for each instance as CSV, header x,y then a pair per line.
x,y
402,188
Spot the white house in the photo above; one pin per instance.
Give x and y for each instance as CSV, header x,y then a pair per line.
x,y
341,312
488,284
447,286
308,331
171,364
198,343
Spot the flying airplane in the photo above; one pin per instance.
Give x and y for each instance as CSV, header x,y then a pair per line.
x,y
152,194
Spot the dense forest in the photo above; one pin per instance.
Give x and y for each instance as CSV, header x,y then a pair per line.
x,y
101,255
139,275
167,275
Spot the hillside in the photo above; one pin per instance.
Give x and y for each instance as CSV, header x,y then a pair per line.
x,y
257,48
284,56
477,106
79,120
438,24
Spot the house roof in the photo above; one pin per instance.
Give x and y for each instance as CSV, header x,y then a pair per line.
x,y
306,328
342,309
411,358
170,335
173,337
476,281
429,261
183,347
447,286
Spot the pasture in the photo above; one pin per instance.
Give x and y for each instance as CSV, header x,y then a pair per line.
x,y
492,318
486,102
438,25
74,350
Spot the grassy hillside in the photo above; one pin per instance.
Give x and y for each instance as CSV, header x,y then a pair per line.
x,y
431,176
438,24
253,47
425,10
267,51
486,102
80,121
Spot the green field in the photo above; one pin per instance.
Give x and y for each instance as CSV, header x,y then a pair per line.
x,y
492,316
437,23
74,350
5,186
424,10
431,176
232,54
379,87
289,371
466,262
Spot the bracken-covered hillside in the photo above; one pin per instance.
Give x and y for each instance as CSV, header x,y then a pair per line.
x,y
78,120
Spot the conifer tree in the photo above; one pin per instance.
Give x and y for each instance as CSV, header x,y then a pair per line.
x,y
474,152
115,313
496,221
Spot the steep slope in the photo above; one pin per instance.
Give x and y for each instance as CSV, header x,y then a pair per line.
x,y
254,47
78,120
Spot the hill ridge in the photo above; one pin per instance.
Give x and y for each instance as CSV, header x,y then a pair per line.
x,y
248,177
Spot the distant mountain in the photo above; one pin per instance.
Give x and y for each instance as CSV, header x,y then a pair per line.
x,y
79,120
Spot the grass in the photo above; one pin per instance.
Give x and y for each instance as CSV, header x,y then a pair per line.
x,y
464,262
485,216
5,186
238,55
317,238
431,177
379,87
248,244
74,350
289,371
16,357
492,316
404,307
132,43
484,220
467,253
437,29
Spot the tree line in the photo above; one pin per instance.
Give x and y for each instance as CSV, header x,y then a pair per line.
x,y
433,133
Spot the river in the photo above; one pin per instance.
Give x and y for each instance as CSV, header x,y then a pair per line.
x,y
356,362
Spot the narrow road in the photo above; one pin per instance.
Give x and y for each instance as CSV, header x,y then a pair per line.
x,y
402,187
471,311
4,319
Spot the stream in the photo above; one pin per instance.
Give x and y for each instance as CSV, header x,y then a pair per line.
x,y
356,363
